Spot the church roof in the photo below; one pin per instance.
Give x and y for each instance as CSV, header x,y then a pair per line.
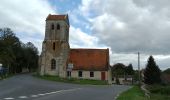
x,y
89,59
58,17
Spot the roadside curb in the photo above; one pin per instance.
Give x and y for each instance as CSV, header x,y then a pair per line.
x,y
143,88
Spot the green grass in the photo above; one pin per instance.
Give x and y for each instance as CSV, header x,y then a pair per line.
x,y
159,89
135,93
158,92
159,97
72,80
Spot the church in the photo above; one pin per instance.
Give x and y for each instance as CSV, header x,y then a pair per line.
x,y
57,58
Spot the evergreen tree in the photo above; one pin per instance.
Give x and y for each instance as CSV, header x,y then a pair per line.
x,y
129,70
152,72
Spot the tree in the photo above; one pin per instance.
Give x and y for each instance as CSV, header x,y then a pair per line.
x,y
9,48
31,52
129,70
152,72
118,69
16,55
167,71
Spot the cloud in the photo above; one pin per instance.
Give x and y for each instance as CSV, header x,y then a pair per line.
x,y
80,39
26,18
124,26
130,26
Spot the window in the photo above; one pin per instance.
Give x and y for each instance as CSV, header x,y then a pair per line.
x,y
53,45
80,73
58,27
91,74
52,26
53,64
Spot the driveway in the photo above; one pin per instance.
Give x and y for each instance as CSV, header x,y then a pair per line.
x,y
26,87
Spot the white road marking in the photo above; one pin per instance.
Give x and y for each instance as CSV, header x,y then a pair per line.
x,y
42,94
22,97
59,91
34,96
8,98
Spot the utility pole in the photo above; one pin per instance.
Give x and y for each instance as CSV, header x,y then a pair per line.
x,y
139,68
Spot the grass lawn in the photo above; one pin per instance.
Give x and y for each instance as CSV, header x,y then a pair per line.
x,y
72,80
135,93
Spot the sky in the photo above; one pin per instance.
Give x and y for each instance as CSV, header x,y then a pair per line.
x,y
126,27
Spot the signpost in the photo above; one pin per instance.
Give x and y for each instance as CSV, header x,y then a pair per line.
x,y
0,66
69,69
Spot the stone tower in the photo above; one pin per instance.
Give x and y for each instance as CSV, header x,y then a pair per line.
x,y
55,47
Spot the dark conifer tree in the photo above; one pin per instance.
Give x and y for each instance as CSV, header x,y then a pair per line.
x,y
152,72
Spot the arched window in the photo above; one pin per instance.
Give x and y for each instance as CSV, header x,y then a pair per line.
x,y
53,45
53,64
52,26
58,27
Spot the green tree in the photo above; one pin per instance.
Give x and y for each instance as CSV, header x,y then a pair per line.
x,y
167,71
16,55
9,48
118,69
152,72
129,70
31,53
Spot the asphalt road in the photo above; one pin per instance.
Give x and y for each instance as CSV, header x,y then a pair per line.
x,y
26,87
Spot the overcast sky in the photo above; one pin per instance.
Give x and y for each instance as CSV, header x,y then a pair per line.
x,y
124,26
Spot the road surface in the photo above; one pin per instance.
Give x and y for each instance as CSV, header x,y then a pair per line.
x,y
27,87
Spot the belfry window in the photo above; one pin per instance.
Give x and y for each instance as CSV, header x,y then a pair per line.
x,y
52,26
53,64
58,27
53,45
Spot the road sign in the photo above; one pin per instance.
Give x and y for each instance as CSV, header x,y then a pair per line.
x,y
70,66
69,69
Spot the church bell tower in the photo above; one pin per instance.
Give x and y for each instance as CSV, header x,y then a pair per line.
x,y
55,47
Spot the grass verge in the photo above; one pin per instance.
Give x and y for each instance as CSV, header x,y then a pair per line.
x,y
159,92
135,93
72,80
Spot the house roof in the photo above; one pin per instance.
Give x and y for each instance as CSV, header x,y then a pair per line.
x,y
89,59
58,17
